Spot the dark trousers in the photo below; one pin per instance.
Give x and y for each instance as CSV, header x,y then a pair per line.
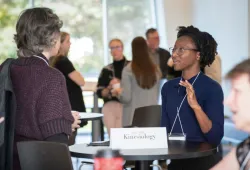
x,y
202,163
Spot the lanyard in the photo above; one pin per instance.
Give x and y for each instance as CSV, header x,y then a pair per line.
x,y
41,59
179,108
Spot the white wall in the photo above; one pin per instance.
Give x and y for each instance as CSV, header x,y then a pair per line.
x,y
177,13
227,20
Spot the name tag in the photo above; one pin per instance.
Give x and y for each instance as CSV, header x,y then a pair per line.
x,y
177,136
138,138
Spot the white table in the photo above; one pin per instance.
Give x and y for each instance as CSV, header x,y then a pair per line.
x,y
90,116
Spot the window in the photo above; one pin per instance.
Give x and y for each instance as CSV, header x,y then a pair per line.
x,y
9,12
91,23
128,19
83,20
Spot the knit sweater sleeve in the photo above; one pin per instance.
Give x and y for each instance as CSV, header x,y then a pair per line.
x,y
53,108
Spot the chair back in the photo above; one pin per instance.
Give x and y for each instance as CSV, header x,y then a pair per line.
x,y
38,155
148,116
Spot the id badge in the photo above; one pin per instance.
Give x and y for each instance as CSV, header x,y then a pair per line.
x,y
177,136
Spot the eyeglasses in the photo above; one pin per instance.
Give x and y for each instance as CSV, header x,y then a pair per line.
x,y
180,51
115,48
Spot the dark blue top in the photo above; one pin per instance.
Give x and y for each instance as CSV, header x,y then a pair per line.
x,y
209,95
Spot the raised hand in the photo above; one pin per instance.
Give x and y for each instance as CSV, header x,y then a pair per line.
x,y
191,98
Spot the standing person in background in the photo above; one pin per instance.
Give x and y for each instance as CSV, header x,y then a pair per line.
x,y
110,77
159,55
74,79
140,79
43,109
214,70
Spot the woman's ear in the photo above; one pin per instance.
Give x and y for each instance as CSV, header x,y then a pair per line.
x,y
198,56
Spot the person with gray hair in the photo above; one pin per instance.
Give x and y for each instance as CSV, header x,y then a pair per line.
x,y
43,108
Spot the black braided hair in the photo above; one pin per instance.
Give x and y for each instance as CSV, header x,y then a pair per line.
x,y
204,42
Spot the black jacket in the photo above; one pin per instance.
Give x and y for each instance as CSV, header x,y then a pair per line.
x,y
167,72
8,107
107,75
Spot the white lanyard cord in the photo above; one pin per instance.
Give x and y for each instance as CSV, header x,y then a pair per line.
x,y
179,108
41,59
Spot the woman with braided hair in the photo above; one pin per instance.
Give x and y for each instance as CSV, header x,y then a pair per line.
x,y
192,105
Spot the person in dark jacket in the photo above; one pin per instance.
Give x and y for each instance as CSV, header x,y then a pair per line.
x,y
110,78
43,108
159,55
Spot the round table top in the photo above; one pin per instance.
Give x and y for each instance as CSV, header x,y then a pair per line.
x,y
90,116
175,150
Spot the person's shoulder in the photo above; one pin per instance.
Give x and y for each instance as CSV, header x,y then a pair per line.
x,y
163,50
54,74
108,67
171,83
209,81
63,60
128,69
127,62
210,84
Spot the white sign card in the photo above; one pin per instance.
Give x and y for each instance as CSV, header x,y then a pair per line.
x,y
138,138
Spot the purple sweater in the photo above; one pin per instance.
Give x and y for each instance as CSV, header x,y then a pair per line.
x,y
43,107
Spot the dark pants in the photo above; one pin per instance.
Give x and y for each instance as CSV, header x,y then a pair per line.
x,y
202,163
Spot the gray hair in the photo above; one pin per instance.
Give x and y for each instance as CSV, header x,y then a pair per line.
x,y
36,29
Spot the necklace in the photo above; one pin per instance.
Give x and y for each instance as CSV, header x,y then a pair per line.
x,y
41,59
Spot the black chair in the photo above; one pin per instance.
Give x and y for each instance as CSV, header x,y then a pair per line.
x,y
36,155
148,116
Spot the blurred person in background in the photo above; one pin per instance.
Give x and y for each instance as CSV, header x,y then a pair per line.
x,y
140,79
110,78
238,102
74,79
159,55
